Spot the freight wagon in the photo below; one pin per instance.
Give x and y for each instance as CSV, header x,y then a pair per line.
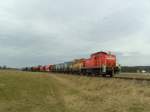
x,y
67,67
77,66
48,68
35,69
42,68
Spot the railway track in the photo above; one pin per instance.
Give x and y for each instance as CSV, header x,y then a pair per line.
x,y
141,79
132,78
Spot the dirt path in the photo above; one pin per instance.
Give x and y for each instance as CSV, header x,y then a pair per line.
x,y
74,96
68,93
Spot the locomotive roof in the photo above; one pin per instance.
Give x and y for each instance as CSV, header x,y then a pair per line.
x,y
101,52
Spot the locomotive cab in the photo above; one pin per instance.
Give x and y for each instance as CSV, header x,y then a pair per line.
x,y
111,64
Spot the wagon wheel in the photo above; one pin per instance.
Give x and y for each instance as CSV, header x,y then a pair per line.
x,y
104,75
112,73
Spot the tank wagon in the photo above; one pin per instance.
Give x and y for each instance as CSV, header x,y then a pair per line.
x,y
67,66
42,69
99,63
48,68
62,68
35,68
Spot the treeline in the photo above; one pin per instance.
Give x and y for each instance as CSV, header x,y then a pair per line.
x,y
136,69
8,68
3,67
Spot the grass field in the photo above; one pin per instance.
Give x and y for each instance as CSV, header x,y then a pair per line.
x,y
43,92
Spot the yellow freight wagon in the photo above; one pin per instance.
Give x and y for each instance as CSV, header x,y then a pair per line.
x,y
77,65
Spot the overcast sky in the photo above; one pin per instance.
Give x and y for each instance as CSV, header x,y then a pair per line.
x,y
34,32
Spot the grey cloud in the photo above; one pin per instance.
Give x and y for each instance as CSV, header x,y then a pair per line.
x,y
36,32
134,58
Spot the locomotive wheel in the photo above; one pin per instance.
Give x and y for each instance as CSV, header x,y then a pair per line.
x,y
112,73
104,75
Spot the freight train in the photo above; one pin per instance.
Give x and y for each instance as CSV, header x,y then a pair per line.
x,y
99,63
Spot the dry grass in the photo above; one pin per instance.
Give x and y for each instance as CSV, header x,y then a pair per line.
x,y
41,92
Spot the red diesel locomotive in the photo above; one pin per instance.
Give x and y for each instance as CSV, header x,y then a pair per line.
x,y
100,63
